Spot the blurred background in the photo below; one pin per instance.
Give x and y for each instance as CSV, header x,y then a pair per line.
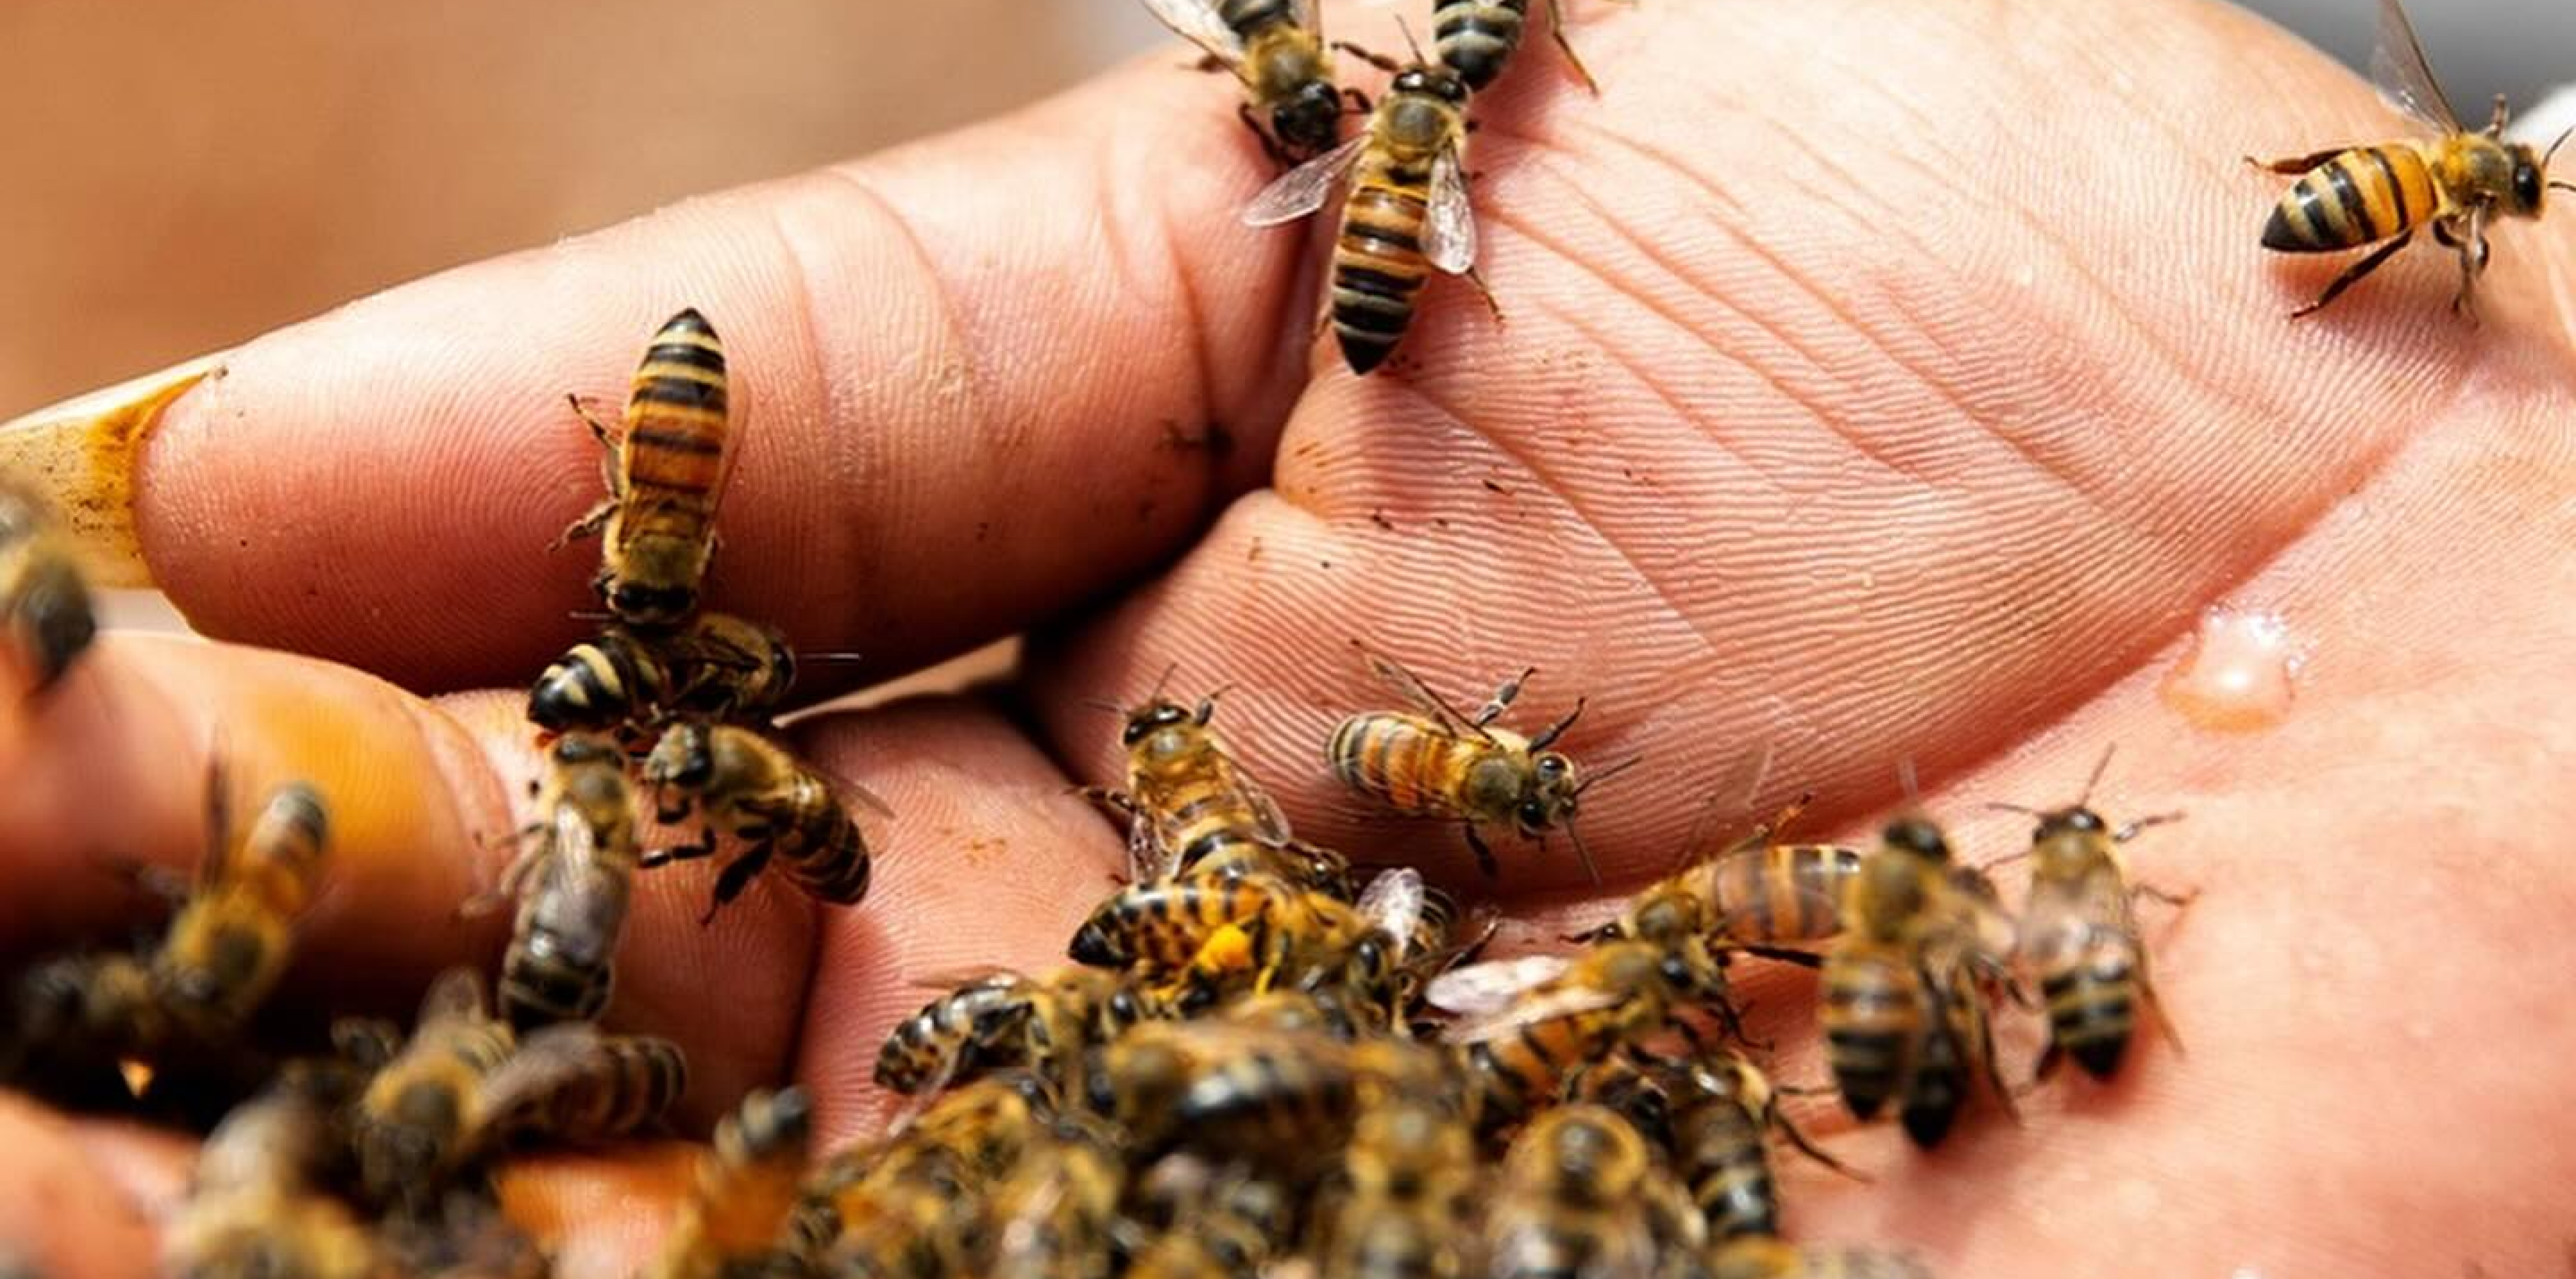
x,y
183,175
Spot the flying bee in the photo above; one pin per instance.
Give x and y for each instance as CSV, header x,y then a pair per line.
x,y
44,600
463,1084
733,1225
1582,1193
1531,1023
720,667
998,1019
665,469
572,887
256,1205
1191,805
1407,213
2079,935
1723,1116
1902,1008
230,942
1433,761
1276,48
1476,38
2382,193
752,788
1762,1257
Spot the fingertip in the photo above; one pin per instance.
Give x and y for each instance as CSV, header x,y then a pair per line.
x,y
61,1215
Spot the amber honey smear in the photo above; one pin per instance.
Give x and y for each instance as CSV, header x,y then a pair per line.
x,y
2239,673
80,455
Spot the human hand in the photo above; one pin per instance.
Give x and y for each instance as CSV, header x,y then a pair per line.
x,y
1880,382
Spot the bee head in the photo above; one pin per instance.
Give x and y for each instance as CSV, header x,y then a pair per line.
x,y
1916,835
1309,122
638,604
2078,820
1550,798
1153,717
2528,181
1435,80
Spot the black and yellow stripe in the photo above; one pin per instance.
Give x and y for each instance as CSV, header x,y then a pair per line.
x,y
1475,38
1873,1013
1164,924
821,848
1249,18
1378,264
949,1035
1408,762
1720,1152
670,461
628,1082
2361,196
1784,892
599,684
2092,1003
1937,1087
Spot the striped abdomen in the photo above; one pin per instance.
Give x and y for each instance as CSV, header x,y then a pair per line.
x,y
1378,263
1207,818
1939,1084
598,685
561,962
1873,1012
282,854
1719,1151
1522,1070
1476,37
670,462
1161,925
1785,892
1407,761
2093,999
824,854
2361,196
1267,1105
630,1081
1247,18
44,602
957,1026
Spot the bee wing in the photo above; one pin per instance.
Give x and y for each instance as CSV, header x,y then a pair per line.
x,y
544,1062
1978,909
1483,988
951,979
1149,855
1394,901
1538,1006
1198,22
1392,673
455,995
1302,190
2398,67
1449,236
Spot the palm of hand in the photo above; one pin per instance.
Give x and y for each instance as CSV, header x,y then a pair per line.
x,y
1843,417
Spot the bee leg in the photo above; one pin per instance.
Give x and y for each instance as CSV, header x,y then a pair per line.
x,y
2473,259
654,857
1485,291
1504,694
2496,121
1378,60
1116,805
1557,729
735,877
599,430
1359,101
1789,1131
1556,30
1484,856
1993,1068
589,525
2296,164
1269,145
2352,274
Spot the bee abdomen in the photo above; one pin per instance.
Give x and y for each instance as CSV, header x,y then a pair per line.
x,y
48,614
2091,1009
1378,268
594,686
1244,17
835,867
1867,1022
2361,196
676,409
541,986
1476,37
1729,1172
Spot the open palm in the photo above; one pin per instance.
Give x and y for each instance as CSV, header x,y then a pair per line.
x,y
1877,382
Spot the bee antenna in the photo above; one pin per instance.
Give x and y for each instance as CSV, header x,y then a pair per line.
x,y
1999,806
2099,767
2563,186
2553,150
1606,774
1156,694
1099,705
1582,852
2130,831
1416,47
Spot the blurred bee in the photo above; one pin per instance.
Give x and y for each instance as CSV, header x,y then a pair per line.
x,y
998,1019
1902,1010
1223,1222
572,888
720,667
1407,213
1475,38
1583,1194
465,1235
256,1206
752,788
463,1084
1760,1257
44,600
733,1225
1756,892
1529,1024
913,1203
1434,761
1408,1171
1057,1212
2382,193
1190,805
1227,1089
1724,1114
1276,48
2079,934
230,942
665,470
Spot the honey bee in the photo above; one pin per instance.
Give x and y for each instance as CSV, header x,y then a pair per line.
x,y
464,1084
665,469
1476,38
2381,193
44,600
1409,1169
256,1208
1722,1119
1581,1194
1224,1222
230,942
572,888
1530,1023
720,667
1215,933
1433,761
752,788
2079,934
999,1019
1227,1089
1276,48
734,1223
1407,213
1757,891
1057,1212
1902,1010
913,1203
1761,1257
1191,805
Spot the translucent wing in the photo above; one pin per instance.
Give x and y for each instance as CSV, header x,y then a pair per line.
x,y
1149,856
1449,236
1392,673
955,979
2397,66
456,995
546,1062
1393,901
1271,823
1537,1006
1487,987
1198,22
1973,909
1303,189
581,908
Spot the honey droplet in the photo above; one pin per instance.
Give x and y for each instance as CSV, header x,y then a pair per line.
x,y
2239,672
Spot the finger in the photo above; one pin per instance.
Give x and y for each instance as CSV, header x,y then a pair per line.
x,y
61,1215
1934,459
1005,865
929,366
599,1216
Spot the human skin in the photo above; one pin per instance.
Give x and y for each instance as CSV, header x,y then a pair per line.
x,y
1879,382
